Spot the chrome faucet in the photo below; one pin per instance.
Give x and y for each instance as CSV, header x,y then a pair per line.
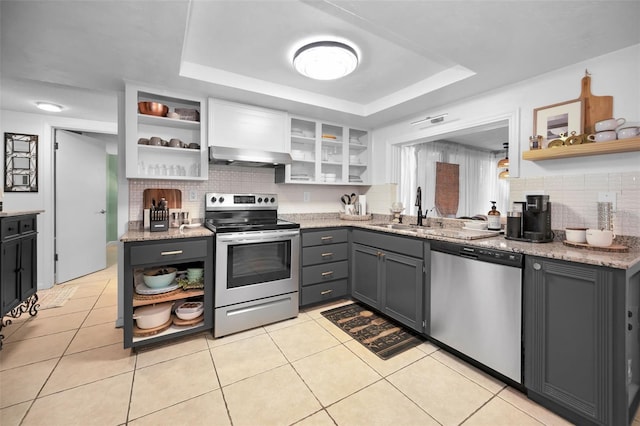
x,y
419,205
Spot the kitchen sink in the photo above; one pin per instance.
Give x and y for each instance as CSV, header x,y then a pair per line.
x,y
459,234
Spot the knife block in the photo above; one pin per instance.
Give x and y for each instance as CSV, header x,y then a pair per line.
x,y
158,220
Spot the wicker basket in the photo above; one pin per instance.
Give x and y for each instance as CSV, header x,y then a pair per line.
x,y
355,217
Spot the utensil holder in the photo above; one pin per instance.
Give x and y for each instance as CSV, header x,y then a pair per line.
x,y
604,216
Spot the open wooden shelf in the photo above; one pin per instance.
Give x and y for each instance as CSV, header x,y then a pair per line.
x,y
169,297
595,148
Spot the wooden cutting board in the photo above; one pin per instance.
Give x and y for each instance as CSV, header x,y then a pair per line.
x,y
173,197
596,108
447,189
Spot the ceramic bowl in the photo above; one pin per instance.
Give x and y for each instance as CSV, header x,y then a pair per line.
x,y
159,277
628,132
189,310
476,224
604,136
609,124
599,237
576,235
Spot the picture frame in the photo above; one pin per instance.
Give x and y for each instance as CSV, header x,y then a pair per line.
x,y
562,118
20,162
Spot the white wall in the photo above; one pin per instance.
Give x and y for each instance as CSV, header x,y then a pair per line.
x,y
616,74
43,125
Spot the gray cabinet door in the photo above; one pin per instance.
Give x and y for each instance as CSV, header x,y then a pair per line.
x,y
569,336
365,274
402,289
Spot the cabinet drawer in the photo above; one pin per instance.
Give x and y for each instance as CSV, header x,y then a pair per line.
x,y
168,252
323,291
324,254
405,245
329,236
17,225
328,272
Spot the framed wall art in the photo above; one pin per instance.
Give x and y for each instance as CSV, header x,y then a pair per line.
x,y
558,120
20,163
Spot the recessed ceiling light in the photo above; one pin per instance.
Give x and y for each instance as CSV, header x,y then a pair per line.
x,y
325,60
48,106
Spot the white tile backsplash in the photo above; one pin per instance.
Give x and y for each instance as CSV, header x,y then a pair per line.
x,y
574,198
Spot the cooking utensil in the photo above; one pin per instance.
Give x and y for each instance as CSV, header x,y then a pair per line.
x,y
381,335
153,108
377,321
345,199
153,316
189,310
364,314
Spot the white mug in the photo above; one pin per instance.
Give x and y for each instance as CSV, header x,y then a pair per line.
x,y
609,124
628,132
608,135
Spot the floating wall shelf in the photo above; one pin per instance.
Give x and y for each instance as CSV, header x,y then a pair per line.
x,y
596,148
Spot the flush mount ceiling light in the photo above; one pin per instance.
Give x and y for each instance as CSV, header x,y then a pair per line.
x,y
325,60
48,106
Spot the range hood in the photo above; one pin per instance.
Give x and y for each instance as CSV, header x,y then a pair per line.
x,y
247,157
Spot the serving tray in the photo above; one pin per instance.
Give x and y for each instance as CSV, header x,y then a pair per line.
x,y
613,248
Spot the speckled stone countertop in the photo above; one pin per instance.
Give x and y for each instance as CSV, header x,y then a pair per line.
x,y
553,250
20,213
172,233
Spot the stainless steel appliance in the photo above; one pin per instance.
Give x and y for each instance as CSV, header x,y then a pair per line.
x,y
536,220
476,304
257,261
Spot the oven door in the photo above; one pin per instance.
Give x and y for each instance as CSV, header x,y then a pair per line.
x,y
256,264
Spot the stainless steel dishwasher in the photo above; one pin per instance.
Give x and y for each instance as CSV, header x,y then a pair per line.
x,y
476,304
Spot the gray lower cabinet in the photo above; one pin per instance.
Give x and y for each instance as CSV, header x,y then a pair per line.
x,y
18,252
181,253
387,273
581,338
325,266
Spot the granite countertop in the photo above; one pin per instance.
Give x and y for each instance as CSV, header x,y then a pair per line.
x,y
172,233
19,213
553,250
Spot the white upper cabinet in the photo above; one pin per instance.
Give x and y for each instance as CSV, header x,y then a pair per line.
x,y
325,153
182,153
237,125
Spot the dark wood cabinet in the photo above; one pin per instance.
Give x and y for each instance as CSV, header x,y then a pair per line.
x,y
18,266
387,273
181,253
324,266
581,334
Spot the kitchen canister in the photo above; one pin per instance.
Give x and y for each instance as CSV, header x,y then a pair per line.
x,y
604,216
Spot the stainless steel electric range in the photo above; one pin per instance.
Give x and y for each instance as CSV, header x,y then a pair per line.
x,y
257,261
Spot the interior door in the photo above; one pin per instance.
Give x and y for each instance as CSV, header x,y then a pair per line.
x,y
80,200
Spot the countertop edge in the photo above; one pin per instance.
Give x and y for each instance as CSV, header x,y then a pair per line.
x,y
552,250
19,213
172,233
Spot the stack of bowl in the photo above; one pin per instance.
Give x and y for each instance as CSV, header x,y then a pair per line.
x,y
606,130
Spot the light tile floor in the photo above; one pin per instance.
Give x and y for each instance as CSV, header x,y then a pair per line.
x,y
68,366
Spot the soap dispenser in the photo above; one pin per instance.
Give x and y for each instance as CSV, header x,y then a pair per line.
x,y
493,218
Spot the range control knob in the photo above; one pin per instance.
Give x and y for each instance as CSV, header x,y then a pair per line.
x,y
213,199
260,199
221,199
273,200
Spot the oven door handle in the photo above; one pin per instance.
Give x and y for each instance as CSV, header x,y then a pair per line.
x,y
259,237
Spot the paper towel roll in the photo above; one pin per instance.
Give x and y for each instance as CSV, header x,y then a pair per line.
x,y
363,204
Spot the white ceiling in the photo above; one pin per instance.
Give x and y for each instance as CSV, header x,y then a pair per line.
x,y
415,55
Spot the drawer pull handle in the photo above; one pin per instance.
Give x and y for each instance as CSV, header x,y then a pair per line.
x,y
329,237
326,254
322,293
169,253
327,274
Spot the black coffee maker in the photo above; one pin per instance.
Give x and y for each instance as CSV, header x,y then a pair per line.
x,y
534,223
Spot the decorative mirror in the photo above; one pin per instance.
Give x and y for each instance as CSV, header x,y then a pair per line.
x,y
20,163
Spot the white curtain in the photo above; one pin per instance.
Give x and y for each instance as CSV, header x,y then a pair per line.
x,y
479,183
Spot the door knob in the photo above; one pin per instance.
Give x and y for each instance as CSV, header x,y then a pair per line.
x,y
103,211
